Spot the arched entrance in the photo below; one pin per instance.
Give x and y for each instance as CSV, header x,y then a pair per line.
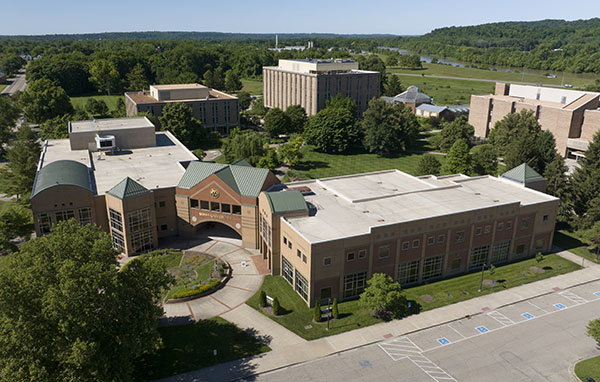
x,y
216,229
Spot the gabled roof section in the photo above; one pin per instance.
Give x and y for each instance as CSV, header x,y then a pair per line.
x,y
127,188
412,95
60,173
242,162
241,177
523,174
286,201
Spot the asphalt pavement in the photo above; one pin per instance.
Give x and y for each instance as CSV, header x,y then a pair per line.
x,y
16,84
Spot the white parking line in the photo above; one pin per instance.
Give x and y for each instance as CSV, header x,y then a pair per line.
x,y
457,332
537,307
430,368
400,348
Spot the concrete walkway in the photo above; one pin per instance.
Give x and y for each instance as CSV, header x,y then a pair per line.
x,y
302,351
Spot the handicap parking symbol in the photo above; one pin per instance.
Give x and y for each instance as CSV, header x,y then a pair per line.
x,y
528,316
482,329
443,341
597,294
560,306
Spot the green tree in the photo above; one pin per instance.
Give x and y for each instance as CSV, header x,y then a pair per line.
x,y
484,159
334,128
137,79
258,108
67,314
246,145
262,298
389,129
393,86
232,81
276,307
270,160
120,111
458,160
334,309
317,312
43,100
104,75
276,122
244,99
15,222
215,79
55,128
453,131
8,119
429,165
593,329
97,108
290,152
16,178
585,181
384,298
298,119
558,184
178,119
11,63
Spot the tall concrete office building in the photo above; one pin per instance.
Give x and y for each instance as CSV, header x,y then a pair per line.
x,y
571,115
311,82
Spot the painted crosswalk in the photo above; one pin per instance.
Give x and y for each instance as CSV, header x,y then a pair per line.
x,y
573,297
501,318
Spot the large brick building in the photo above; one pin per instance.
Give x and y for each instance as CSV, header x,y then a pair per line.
x,y
326,237
571,115
311,82
216,110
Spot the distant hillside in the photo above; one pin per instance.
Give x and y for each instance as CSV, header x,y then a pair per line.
x,y
215,36
547,44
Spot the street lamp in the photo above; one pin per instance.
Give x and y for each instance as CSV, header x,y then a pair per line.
x,y
481,282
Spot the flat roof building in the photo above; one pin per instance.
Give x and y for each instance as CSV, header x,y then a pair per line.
x,y
216,110
571,115
311,82
414,229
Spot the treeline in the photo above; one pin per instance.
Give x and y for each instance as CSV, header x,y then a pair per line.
x,y
555,45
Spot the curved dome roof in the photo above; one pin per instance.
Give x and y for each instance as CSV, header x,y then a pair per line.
x,y
60,173
412,95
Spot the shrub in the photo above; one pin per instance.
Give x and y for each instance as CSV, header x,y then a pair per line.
x,y
539,257
334,309
198,290
262,298
317,312
492,269
276,307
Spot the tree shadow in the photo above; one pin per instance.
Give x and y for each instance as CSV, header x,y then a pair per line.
x,y
415,308
566,242
547,268
310,165
264,338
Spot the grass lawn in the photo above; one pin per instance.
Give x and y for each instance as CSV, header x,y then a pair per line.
x,y
2,87
111,101
320,165
515,75
448,91
352,315
252,86
571,241
190,347
589,368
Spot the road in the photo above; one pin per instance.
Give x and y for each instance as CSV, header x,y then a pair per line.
x,y
534,341
473,79
17,84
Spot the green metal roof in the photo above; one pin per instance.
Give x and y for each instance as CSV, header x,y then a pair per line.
x,y
286,201
62,172
242,178
523,174
127,188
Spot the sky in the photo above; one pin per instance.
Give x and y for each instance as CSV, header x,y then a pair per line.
x,y
399,17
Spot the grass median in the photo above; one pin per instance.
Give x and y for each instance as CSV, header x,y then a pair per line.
x,y
297,315
589,368
191,347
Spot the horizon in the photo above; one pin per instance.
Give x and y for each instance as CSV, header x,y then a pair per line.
x,y
68,17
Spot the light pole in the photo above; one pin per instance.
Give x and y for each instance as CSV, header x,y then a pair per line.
x,y
481,282
328,311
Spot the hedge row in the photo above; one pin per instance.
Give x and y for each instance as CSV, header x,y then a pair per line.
x,y
200,289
